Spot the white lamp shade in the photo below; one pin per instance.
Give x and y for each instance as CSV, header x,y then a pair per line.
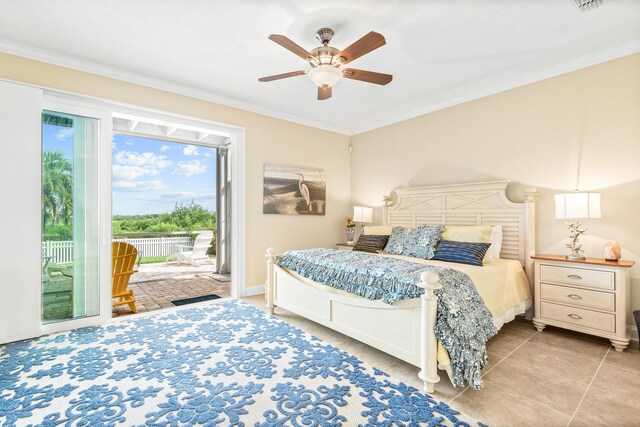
x,y
362,214
578,205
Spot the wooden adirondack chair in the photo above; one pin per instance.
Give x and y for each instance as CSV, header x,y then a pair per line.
x,y
195,254
123,263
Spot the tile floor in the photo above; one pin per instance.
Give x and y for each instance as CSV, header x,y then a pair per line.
x,y
549,378
156,285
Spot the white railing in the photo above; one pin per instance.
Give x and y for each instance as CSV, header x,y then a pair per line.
x,y
157,246
62,252
58,252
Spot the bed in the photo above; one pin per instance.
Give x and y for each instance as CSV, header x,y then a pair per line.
x,y
406,328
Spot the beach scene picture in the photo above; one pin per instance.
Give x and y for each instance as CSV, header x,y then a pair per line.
x,y
294,190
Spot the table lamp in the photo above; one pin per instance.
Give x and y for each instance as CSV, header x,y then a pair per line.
x,y
363,215
575,206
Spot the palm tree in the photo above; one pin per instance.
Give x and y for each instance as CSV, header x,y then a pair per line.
x,y
57,188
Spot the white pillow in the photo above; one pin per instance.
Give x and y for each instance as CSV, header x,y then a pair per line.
x,y
496,242
468,233
377,230
477,234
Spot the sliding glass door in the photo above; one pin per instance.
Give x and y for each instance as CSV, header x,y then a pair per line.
x,y
70,216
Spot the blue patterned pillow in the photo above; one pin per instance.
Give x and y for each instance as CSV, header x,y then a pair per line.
x,y
419,242
461,252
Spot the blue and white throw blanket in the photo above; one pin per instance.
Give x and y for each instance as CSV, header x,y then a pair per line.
x,y
463,326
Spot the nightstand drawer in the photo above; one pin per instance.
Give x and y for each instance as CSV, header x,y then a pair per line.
x,y
577,276
578,316
580,297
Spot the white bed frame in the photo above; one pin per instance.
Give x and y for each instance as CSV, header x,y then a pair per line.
x,y
406,329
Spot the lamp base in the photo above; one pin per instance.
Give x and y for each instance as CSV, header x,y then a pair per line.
x,y
574,245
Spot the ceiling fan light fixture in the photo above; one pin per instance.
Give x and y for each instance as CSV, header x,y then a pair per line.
x,y
324,75
325,61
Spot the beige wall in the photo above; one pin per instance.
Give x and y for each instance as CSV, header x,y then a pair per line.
x,y
530,135
268,140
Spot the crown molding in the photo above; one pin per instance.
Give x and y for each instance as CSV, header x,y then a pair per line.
x,y
186,90
104,70
563,68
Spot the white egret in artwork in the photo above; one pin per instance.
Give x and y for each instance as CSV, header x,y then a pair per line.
x,y
304,190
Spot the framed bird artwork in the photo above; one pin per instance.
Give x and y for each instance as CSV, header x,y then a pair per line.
x,y
294,190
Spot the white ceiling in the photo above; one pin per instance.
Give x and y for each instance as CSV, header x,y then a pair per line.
x,y
440,52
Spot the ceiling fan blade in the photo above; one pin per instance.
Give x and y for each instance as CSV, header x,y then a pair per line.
x,y
363,46
367,76
324,92
282,76
290,45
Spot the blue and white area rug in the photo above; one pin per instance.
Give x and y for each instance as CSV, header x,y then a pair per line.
x,y
226,363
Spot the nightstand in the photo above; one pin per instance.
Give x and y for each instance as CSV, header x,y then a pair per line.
x,y
590,296
344,246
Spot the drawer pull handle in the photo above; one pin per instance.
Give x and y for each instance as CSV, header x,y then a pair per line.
x,y
574,296
574,276
574,316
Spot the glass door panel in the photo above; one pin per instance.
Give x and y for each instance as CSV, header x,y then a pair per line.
x,y
70,222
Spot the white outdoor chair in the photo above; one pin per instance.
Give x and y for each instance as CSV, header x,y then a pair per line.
x,y
196,253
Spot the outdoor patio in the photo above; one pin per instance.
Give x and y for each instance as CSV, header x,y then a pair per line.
x,y
156,285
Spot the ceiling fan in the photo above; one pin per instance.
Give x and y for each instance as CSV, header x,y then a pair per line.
x,y
325,61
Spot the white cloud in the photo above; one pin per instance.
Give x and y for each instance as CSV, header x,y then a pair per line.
x,y
191,150
207,154
189,195
183,196
129,142
120,172
164,148
64,133
147,159
189,168
114,146
135,186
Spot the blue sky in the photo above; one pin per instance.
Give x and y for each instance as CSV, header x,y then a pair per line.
x,y
150,176
58,138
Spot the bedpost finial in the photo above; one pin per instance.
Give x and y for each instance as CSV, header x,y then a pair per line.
x,y
531,194
271,252
429,277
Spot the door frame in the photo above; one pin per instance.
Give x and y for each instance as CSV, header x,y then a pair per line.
x,y
237,150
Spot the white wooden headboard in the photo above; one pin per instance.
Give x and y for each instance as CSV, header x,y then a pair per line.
x,y
482,203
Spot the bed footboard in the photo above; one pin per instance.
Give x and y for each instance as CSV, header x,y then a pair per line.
x,y
404,330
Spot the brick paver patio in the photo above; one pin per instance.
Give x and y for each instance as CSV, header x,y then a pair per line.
x,y
156,285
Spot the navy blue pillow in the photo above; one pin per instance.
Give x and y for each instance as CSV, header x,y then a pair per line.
x,y
461,252
371,243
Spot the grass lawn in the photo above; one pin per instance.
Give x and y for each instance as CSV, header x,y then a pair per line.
x,y
152,259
